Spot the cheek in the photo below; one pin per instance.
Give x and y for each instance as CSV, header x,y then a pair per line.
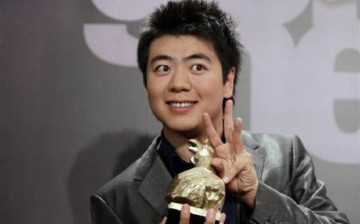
x,y
154,93
152,87
212,88
152,96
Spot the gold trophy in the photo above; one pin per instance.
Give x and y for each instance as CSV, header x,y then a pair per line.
x,y
198,187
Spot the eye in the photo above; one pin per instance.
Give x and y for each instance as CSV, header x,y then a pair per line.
x,y
198,68
162,69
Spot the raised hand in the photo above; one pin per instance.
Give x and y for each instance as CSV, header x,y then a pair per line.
x,y
232,162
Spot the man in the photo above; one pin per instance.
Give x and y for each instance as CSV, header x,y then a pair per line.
x,y
190,58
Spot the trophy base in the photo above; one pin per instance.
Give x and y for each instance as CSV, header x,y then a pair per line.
x,y
197,215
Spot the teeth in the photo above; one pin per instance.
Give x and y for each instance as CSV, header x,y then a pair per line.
x,y
181,105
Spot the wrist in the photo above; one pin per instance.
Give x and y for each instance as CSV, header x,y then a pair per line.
x,y
249,198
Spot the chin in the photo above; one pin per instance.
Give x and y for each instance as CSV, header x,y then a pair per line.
x,y
183,128
189,131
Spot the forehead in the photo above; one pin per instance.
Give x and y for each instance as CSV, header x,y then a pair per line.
x,y
178,46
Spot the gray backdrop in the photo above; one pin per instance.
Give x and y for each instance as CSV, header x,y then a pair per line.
x,y
74,113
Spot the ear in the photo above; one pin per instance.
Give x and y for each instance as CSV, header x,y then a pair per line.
x,y
229,83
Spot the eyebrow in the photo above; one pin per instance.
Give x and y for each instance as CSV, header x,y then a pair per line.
x,y
160,57
198,56
188,58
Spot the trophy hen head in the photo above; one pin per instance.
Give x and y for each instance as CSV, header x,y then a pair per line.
x,y
203,153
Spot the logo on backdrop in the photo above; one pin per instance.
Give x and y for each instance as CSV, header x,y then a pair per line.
x,y
322,69
112,42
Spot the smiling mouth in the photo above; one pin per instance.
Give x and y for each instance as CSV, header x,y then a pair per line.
x,y
181,104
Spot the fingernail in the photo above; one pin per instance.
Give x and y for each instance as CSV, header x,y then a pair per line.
x,y
185,208
212,213
226,180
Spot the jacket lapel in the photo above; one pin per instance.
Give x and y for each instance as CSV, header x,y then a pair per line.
x,y
251,146
155,179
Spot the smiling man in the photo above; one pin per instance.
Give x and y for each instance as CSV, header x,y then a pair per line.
x,y
183,81
190,58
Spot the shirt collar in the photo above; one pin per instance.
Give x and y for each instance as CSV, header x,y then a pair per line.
x,y
170,158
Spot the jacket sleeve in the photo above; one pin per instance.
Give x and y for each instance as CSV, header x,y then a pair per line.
x,y
101,212
305,200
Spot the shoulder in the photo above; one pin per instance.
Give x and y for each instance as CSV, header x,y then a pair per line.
x,y
268,138
119,199
274,144
127,179
282,155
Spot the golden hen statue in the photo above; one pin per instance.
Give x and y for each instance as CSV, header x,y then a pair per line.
x,y
198,187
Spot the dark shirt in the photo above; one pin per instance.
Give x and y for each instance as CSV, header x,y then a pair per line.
x,y
176,165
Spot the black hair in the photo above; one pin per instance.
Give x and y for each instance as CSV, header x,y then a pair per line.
x,y
193,17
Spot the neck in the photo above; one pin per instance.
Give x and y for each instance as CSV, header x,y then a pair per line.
x,y
180,143
180,140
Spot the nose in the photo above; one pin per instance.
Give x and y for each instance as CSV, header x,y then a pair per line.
x,y
180,81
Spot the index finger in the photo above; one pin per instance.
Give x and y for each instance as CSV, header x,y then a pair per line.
x,y
185,214
210,217
163,221
211,132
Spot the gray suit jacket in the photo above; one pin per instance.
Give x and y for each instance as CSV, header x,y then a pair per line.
x,y
288,190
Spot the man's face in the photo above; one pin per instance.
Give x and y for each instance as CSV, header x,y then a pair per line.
x,y
184,80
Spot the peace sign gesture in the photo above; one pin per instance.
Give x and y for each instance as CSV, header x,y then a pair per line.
x,y
232,162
